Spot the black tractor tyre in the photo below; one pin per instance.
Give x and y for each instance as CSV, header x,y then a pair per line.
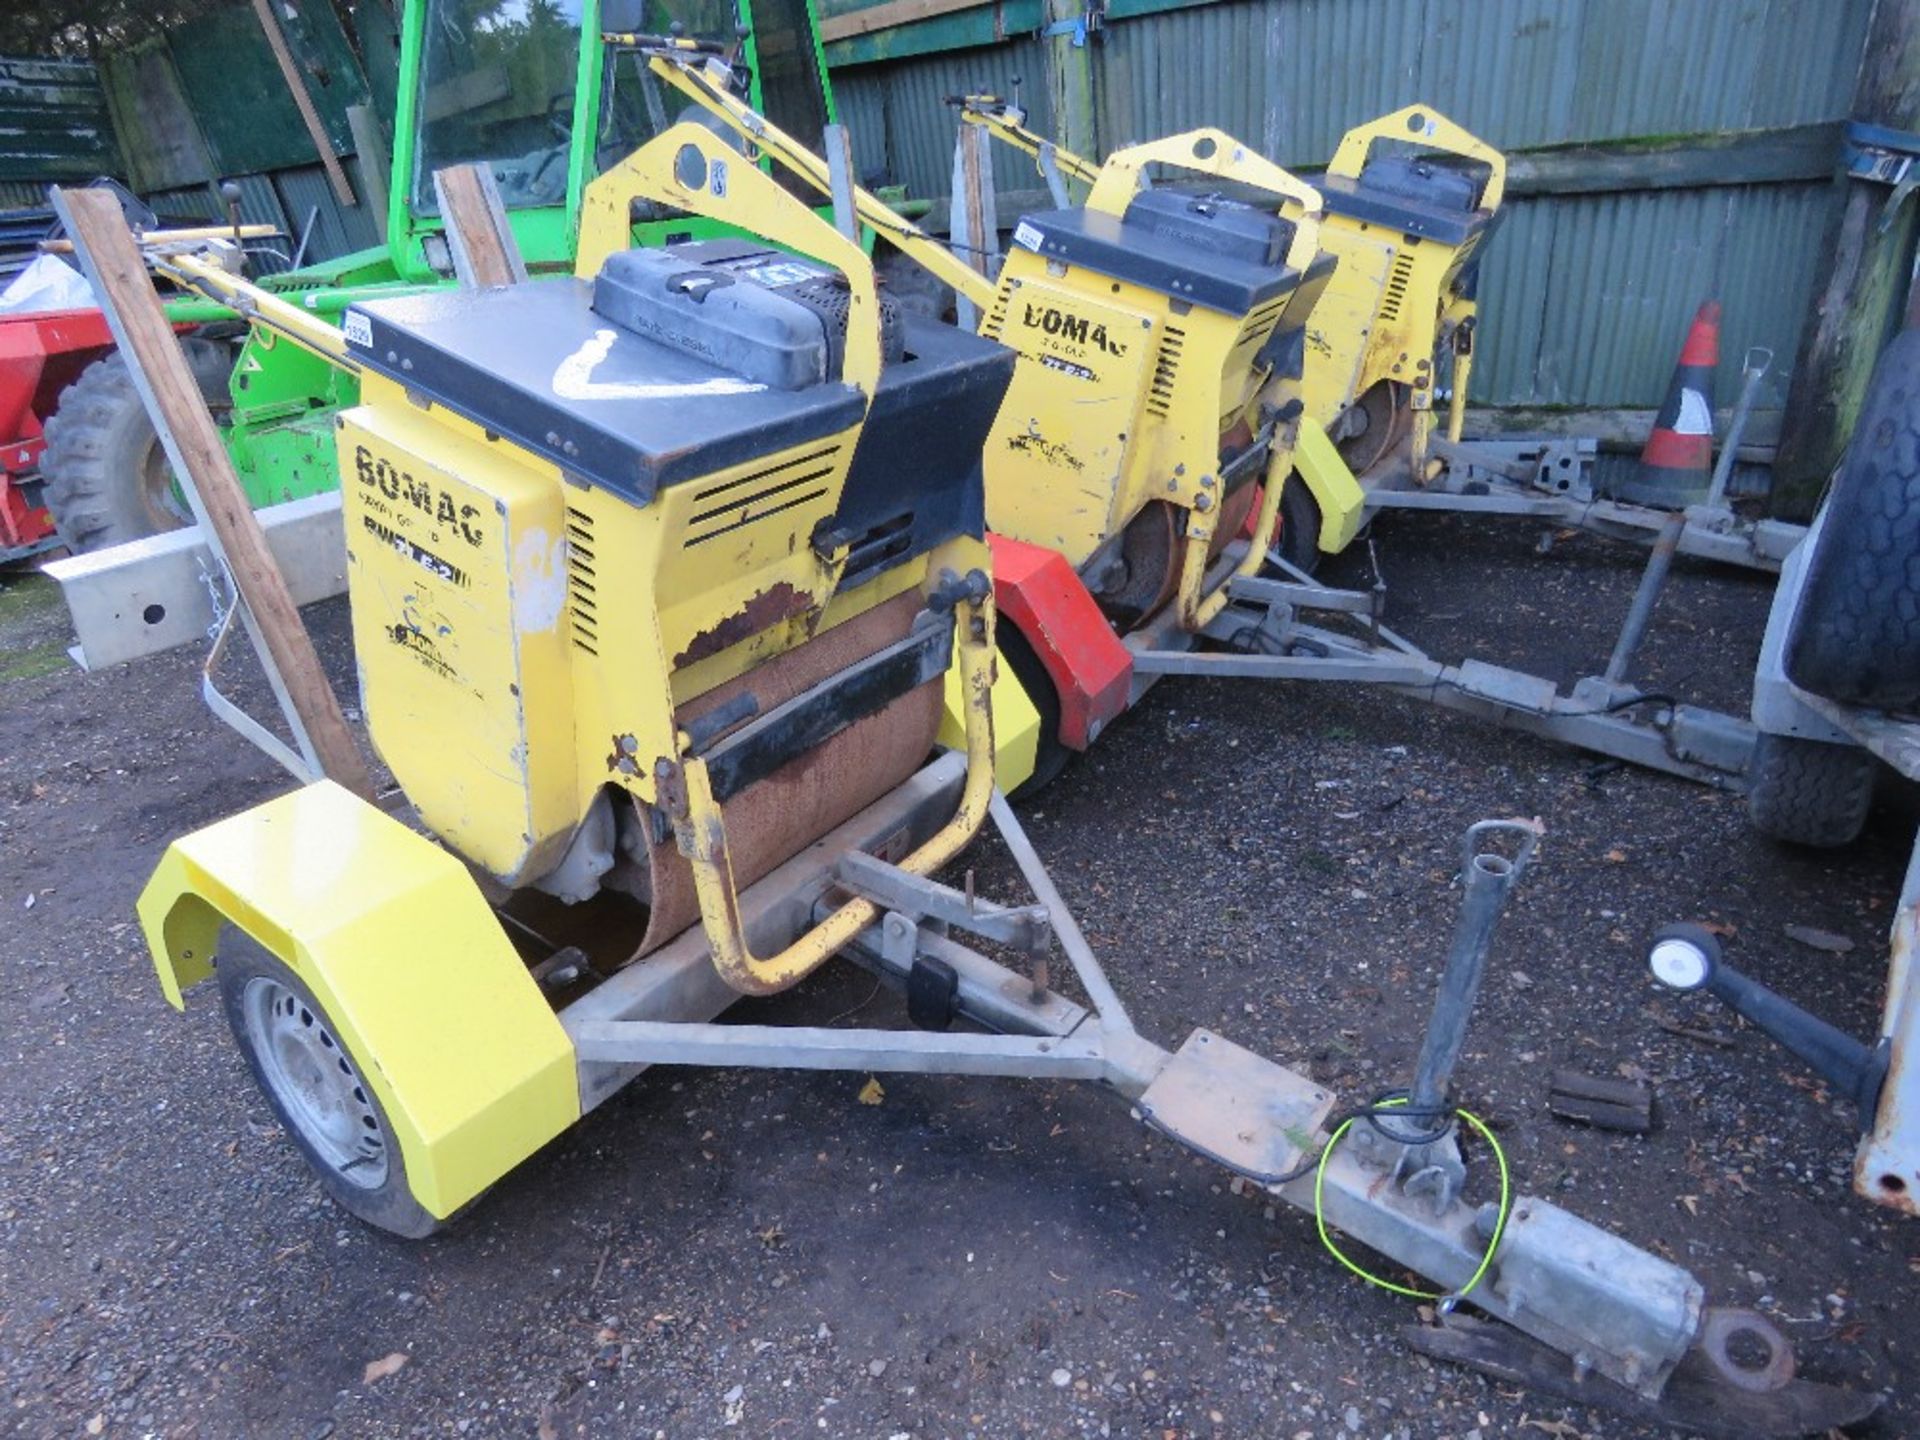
x,y
1051,757
1856,633
1807,792
1299,543
913,288
316,1089
107,477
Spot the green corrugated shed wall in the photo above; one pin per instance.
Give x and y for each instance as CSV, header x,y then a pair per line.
x,y
1585,296
53,123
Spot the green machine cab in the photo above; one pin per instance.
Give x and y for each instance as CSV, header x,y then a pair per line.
x,y
507,89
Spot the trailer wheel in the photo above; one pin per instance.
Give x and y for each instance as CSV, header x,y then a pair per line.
x,y
108,478
317,1090
1807,792
1856,637
1299,543
1050,757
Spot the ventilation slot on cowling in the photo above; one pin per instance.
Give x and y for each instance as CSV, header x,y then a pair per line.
x,y
1259,324
1397,283
996,317
735,504
583,595
1166,370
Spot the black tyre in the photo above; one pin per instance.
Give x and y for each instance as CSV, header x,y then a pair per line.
x,y
1051,757
108,480
1299,543
1856,636
316,1089
911,287
1807,792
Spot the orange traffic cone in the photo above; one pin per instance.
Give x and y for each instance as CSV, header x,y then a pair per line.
x,y
1677,463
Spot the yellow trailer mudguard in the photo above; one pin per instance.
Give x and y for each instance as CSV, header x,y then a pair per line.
x,y
395,941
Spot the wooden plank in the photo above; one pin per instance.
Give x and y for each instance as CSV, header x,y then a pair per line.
x,y
371,144
140,325
1601,1101
484,251
297,87
1695,1400
1617,430
1070,82
889,14
1870,267
1745,157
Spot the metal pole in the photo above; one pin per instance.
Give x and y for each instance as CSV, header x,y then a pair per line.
x,y
1633,630
1488,877
1652,581
1755,370
839,146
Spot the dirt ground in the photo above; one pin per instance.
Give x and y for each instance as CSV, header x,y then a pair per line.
x,y
758,1254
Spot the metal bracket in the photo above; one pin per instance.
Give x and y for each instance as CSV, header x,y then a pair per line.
x,y
1027,928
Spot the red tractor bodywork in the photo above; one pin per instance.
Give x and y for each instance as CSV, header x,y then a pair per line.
x,y
40,355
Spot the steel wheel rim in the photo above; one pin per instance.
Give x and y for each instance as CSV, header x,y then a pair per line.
x,y
160,489
315,1084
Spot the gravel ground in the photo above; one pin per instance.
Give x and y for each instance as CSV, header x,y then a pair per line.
x,y
711,1255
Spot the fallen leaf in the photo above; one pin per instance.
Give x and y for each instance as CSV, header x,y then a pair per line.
x,y
871,1093
1615,856
383,1367
1692,1202
545,1430
1820,939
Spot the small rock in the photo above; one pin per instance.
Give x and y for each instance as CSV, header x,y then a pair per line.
x,y
1352,1417
1062,1378
1820,939
1519,979
876,1368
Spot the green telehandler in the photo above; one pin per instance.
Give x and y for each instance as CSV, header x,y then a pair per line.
x,y
499,81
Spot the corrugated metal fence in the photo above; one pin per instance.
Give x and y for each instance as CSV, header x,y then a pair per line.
x,y
175,115
1585,295
53,126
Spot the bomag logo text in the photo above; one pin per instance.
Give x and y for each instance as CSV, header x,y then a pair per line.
x,y
429,499
1075,329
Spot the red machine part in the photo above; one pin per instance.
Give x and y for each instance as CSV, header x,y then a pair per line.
x,y
1035,590
40,355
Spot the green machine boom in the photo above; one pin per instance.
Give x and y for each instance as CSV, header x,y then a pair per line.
x,y
504,84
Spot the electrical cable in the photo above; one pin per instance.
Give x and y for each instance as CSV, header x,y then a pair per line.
x,y
1320,1214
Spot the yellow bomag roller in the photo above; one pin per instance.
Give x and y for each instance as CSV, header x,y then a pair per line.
x,y
1138,465
1406,232
656,577
662,578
